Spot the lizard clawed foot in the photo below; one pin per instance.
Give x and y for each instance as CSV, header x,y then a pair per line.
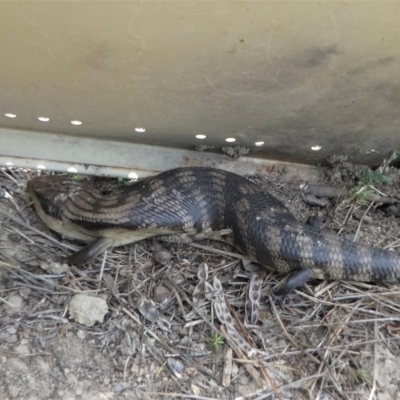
x,y
278,299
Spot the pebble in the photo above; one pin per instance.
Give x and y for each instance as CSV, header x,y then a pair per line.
x,y
25,292
87,310
14,304
119,387
72,379
213,383
175,364
135,369
161,293
81,334
235,369
22,349
11,330
43,365
11,338
79,390
195,390
244,380
162,257
53,267
14,390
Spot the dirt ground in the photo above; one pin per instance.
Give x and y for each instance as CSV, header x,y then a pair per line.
x,y
136,323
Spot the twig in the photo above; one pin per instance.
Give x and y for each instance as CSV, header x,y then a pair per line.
x,y
361,221
339,193
373,389
218,251
296,345
293,385
249,368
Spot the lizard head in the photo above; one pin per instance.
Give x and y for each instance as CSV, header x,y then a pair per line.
x,y
50,194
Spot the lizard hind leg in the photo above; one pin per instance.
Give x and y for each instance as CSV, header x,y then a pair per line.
x,y
90,251
290,282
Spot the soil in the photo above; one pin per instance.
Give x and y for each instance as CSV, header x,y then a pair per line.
x,y
129,325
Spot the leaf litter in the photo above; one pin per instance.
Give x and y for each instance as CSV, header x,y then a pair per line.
x,y
174,320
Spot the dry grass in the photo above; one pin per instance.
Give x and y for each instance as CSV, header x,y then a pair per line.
x,y
329,340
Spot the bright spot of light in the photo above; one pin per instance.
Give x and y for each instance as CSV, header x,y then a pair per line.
x,y
133,175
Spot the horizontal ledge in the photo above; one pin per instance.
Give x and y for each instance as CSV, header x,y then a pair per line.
x,y
113,158
73,168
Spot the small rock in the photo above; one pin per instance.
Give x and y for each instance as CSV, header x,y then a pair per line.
x,y
359,214
22,349
87,310
235,369
315,201
349,236
161,255
135,369
213,383
53,267
161,294
79,390
204,147
201,347
68,395
72,379
394,209
14,304
81,334
42,365
25,292
195,390
175,365
106,381
244,380
119,387
315,221
11,338
149,310
14,390
235,152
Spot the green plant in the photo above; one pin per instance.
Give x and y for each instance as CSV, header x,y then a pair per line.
x,y
359,375
215,341
121,181
373,177
364,192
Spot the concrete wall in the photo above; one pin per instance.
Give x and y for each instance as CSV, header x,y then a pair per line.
x,y
291,74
